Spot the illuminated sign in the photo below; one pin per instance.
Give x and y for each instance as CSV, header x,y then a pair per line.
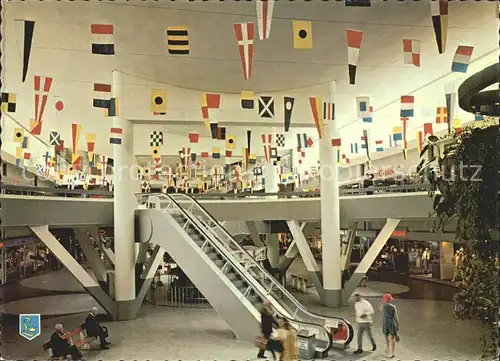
x,y
398,234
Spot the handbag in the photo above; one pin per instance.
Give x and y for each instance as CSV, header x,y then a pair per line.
x,y
260,342
397,337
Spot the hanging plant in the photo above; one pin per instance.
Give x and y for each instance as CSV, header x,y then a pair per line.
x,y
468,181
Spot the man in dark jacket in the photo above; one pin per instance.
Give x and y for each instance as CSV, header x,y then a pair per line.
x,y
267,321
94,328
61,346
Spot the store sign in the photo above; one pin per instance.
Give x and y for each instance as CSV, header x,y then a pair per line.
x,y
398,234
386,172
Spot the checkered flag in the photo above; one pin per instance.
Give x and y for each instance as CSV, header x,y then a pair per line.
x,y
280,140
156,139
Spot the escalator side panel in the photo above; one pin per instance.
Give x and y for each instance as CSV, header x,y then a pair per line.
x,y
224,297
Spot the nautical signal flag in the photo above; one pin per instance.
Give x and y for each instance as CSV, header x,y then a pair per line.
x,y
102,39
365,139
208,101
29,28
204,154
19,156
244,36
90,145
397,134
229,153
288,103
441,115
42,86
428,129
9,102
155,138
247,98
302,35
221,133
18,135
266,143
328,111
379,145
112,111
407,106
461,59
102,95
266,106
59,147
194,137
252,159
420,141
457,125
230,142
354,38
354,148
216,153
404,144
116,136
336,142
264,17
316,106
365,111
302,141
411,51
177,40
439,14
54,138
25,143
155,153
158,101
76,130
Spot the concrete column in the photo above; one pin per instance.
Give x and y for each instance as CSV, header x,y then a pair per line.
x,y
254,233
330,216
271,177
125,176
446,260
273,250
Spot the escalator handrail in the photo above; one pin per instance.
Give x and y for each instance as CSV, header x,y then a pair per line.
x,y
271,278
243,273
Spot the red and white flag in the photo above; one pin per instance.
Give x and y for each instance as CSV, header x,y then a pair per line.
x,y
245,36
266,142
42,86
411,50
264,17
354,38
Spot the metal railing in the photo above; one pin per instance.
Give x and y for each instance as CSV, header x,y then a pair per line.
x,y
257,271
79,193
168,203
173,296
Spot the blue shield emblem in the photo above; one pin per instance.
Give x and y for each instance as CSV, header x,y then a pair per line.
x,y
29,326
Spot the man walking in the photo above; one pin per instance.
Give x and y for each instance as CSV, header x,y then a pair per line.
x,y
364,312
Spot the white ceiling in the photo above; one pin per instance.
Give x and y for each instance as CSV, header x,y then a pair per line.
x,y
214,62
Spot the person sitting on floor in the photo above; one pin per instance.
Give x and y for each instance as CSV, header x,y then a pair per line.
x,y
94,328
61,347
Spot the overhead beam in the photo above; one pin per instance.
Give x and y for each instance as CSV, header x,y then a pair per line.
x,y
91,285
370,256
292,251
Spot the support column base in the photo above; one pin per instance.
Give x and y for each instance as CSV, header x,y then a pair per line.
x,y
331,298
126,310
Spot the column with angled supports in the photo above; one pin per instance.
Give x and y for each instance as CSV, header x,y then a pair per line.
x,y
124,206
330,215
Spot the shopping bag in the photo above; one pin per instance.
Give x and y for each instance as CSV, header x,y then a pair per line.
x,y
260,342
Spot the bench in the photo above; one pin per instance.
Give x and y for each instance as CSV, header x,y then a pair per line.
x,y
82,341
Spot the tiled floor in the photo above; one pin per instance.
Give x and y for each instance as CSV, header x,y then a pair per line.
x,y
429,332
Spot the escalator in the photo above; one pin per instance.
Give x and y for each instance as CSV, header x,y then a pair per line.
x,y
235,286
274,288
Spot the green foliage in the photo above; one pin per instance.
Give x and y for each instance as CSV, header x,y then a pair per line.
x,y
475,191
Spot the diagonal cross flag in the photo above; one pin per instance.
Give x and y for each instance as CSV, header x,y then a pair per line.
x,y
54,138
